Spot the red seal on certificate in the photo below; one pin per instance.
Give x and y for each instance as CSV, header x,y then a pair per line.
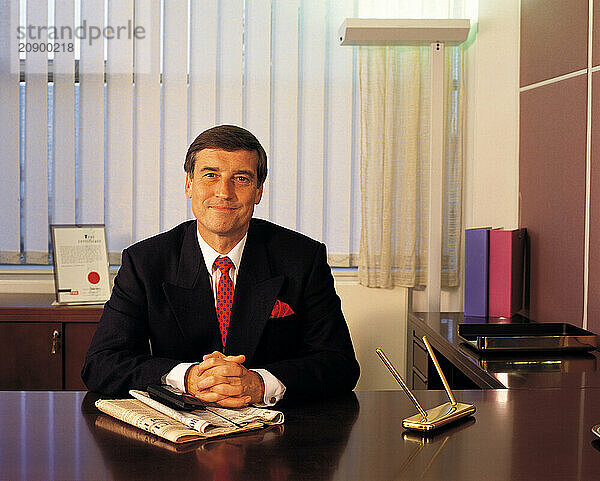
x,y
93,277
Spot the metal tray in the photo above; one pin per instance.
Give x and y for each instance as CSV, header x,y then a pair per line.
x,y
536,336
531,361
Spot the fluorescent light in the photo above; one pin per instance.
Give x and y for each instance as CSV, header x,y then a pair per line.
x,y
403,31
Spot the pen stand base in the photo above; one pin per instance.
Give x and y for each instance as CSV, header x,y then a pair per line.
x,y
438,416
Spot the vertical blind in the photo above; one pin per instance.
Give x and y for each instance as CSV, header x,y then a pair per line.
x,y
10,213
98,133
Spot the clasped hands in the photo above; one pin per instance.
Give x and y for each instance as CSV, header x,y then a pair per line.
x,y
222,380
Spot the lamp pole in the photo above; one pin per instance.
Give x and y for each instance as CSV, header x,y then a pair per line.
x,y
436,185
436,33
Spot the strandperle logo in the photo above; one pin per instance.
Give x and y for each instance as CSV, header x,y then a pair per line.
x,y
81,32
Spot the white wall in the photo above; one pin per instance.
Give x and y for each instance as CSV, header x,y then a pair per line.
x,y
376,318
491,164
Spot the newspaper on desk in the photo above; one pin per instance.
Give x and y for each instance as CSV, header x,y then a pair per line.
x,y
210,418
180,426
111,425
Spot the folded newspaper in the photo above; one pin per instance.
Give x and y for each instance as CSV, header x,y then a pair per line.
x,y
184,426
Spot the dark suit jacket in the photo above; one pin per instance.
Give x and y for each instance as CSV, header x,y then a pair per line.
x,y
162,312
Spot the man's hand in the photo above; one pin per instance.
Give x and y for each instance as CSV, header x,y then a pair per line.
x,y
224,381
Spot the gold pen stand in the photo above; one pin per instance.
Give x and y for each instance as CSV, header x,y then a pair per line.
x,y
436,417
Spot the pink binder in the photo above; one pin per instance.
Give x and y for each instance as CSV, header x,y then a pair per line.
x,y
505,272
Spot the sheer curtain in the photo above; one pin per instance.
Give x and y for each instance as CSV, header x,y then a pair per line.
x,y
395,110
394,165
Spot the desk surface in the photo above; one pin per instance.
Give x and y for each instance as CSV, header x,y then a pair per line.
x,y
516,434
40,308
512,370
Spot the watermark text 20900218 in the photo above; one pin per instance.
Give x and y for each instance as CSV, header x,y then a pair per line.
x,y
46,47
81,32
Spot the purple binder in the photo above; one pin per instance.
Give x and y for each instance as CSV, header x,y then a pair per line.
x,y
477,248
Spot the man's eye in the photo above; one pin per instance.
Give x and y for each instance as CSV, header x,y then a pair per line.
x,y
209,174
241,178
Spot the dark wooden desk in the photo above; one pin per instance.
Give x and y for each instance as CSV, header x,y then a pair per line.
x,y
466,369
515,435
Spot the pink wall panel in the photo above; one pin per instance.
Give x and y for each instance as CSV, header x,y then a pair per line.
x,y
596,35
594,273
552,186
554,36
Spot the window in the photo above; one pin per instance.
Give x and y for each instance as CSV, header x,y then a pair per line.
x,y
98,133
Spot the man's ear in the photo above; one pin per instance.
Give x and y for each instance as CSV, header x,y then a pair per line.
x,y
188,186
258,195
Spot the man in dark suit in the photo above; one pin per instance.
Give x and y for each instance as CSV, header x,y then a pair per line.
x,y
231,309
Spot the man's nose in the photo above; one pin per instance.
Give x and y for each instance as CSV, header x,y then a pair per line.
x,y
225,188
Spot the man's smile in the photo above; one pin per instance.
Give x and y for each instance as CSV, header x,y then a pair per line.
x,y
222,208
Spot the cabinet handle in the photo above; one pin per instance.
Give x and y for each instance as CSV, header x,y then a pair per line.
x,y
55,342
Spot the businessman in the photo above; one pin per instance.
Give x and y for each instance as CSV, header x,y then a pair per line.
x,y
231,309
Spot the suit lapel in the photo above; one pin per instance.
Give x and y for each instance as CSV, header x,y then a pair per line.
x,y
256,291
191,298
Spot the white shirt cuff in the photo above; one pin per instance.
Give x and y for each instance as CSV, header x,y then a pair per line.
x,y
274,388
176,376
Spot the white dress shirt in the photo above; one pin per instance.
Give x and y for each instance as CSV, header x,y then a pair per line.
x,y
274,388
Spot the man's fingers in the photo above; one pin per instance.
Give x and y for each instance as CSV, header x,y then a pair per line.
x,y
214,361
239,359
226,373
227,369
234,402
211,362
197,370
224,380
227,389
231,397
210,397
207,382
215,354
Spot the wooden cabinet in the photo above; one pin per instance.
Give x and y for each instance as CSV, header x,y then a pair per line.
x,y
30,355
77,338
42,347
421,372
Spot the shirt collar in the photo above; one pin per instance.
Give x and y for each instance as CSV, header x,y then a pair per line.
x,y
210,255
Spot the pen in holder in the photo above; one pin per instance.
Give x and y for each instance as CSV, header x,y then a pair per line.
x,y
430,419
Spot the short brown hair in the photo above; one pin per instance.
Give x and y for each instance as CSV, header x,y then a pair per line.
x,y
229,138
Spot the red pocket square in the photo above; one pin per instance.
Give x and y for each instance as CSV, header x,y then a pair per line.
x,y
281,309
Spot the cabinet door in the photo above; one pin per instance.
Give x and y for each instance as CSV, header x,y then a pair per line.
x,y
31,356
78,336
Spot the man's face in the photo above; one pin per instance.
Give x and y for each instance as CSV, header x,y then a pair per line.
x,y
223,193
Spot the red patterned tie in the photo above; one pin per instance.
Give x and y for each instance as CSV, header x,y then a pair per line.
x,y
224,295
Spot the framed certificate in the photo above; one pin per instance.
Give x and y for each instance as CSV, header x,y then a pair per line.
x,y
80,263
